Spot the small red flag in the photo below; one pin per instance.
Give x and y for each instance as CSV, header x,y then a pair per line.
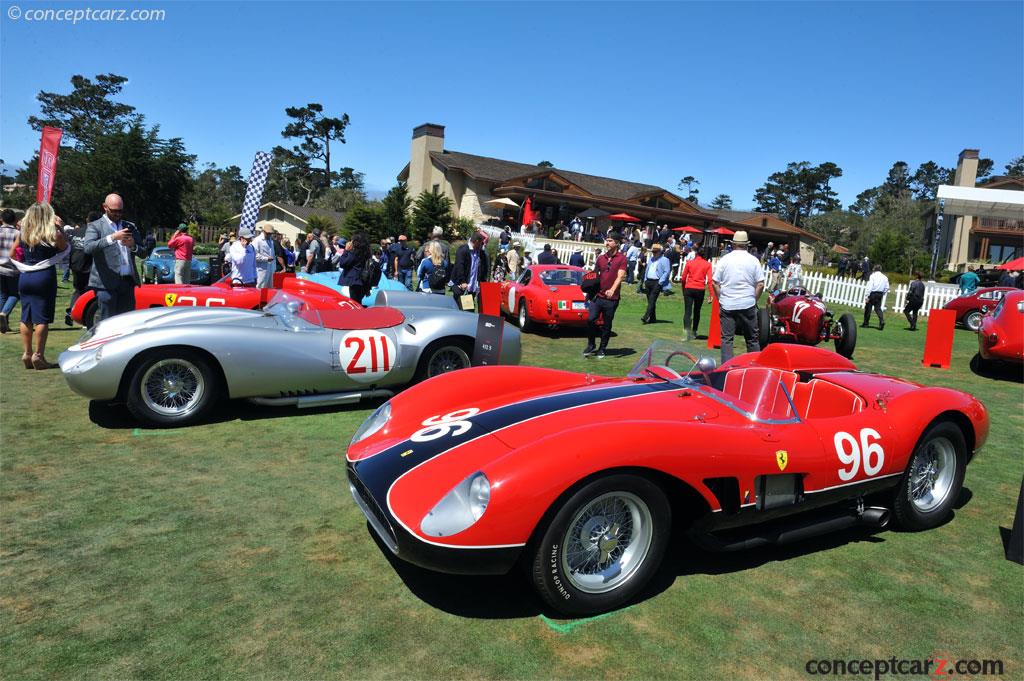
x,y
48,147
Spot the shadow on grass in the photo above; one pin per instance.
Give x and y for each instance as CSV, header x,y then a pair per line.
x,y
997,371
512,596
115,415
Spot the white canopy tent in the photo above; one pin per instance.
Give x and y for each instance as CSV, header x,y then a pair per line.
x,y
980,202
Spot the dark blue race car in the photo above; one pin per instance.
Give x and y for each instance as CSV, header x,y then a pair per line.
x,y
158,268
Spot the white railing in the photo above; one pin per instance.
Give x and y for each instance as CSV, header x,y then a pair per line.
x,y
853,292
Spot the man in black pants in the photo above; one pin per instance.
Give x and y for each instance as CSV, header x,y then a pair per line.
x,y
915,299
611,271
655,277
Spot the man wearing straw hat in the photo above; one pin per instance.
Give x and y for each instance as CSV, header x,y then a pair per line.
x,y
738,281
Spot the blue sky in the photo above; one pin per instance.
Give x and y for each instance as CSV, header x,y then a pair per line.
x,y
728,92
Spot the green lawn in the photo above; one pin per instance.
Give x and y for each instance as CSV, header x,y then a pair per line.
x,y
233,549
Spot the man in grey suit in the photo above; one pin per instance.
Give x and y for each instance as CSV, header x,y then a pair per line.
x,y
113,244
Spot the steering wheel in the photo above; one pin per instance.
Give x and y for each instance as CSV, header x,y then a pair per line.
x,y
684,353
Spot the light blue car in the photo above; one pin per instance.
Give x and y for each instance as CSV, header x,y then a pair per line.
x,y
330,280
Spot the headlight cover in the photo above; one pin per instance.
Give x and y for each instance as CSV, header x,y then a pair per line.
x,y
459,509
375,422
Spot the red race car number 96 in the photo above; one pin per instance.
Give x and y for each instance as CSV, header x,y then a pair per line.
x,y
366,356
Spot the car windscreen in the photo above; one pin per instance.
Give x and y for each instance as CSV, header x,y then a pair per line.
x,y
561,277
293,313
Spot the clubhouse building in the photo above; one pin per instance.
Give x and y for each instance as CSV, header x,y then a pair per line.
x,y
558,195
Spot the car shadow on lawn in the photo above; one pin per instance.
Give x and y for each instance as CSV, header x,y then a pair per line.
x,y
512,596
115,415
997,371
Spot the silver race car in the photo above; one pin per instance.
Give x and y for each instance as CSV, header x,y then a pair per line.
x,y
170,365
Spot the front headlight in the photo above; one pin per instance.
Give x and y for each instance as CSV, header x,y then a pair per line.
x,y
164,269
459,509
371,425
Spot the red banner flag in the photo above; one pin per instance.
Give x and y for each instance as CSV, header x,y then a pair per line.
x,y
529,215
48,148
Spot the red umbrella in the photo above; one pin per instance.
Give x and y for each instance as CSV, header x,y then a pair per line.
x,y
723,231
529,215
1017,264
689,229
623,216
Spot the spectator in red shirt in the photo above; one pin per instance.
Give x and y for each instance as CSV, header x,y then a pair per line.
x,y
611,270
696,276
183,246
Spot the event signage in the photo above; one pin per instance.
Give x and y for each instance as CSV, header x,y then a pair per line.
x,y
48,148
254,190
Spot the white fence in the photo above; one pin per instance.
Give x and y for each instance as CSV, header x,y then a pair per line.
x,y
853,292
833,289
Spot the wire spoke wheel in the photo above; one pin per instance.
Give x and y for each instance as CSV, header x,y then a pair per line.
x,y
172,387
606,541
447,358
973,320
931,477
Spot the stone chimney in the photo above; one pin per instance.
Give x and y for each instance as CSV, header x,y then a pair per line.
x,y
966,168
423,176
960,231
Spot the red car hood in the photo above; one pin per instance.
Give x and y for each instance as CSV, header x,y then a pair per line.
x,y
460,394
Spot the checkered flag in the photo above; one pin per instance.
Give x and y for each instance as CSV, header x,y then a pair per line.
x,y
254,190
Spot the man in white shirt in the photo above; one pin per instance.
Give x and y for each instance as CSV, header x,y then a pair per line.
x,y
738,281
878,287
242,257
266,263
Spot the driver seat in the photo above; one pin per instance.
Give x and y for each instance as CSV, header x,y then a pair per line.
x,y
747,385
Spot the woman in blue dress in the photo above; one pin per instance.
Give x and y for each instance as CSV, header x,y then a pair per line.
x,y
40,241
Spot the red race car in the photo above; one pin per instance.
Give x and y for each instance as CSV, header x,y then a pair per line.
x,y
796,316
221,294
548,295
474,471
1001,337
972,307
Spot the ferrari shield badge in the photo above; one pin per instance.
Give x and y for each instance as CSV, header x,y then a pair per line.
x,y
782,458
169,299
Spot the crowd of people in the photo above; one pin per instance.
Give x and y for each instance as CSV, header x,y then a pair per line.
x,y
101,255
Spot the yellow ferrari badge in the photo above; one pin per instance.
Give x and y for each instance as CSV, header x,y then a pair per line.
x,y
782,458
406,453
170,298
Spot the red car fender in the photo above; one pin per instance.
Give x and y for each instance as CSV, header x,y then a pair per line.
x,y
78,309
1002,338
916,409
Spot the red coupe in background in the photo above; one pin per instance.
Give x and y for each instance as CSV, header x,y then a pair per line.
x,y
548,295
970,308
1001,336
221,294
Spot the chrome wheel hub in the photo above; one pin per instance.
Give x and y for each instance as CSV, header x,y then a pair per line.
x,y
606,542
172,387
931,476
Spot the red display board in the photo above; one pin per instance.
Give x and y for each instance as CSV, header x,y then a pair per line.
x,y
938,344
490,298
714,327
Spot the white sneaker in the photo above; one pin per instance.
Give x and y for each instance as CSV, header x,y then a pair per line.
x,y
686,335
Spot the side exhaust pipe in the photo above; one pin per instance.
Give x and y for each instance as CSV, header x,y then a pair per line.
x,y
798,529
306,401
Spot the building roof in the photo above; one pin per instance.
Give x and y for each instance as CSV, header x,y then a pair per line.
x,y
498,170
302,213
749,217
980,202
